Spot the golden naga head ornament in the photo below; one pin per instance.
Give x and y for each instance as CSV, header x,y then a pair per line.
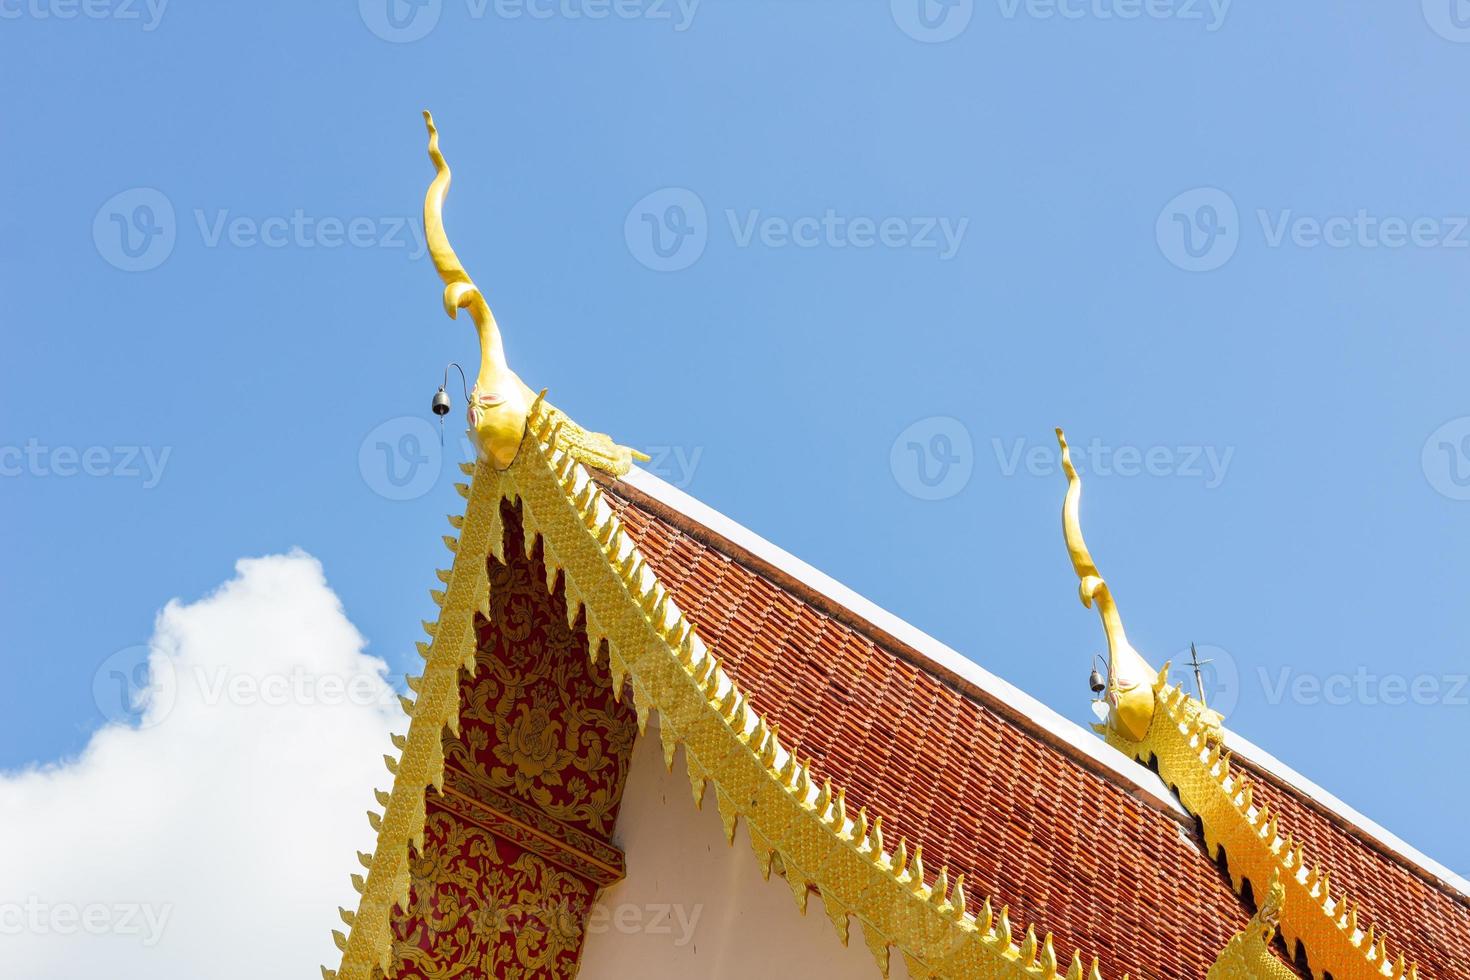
x,y
1130,682
500,402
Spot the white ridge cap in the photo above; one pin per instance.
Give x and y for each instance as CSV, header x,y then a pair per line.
x,y
953,663
949,661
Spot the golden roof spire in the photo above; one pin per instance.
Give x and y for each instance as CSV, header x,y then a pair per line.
x,y
1130,678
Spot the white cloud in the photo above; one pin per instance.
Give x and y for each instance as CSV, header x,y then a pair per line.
x,y
215,837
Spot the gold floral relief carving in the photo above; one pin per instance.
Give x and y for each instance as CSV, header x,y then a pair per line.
x,y
535,721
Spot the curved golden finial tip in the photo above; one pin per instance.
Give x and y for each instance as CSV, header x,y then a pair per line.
x,y
1130,690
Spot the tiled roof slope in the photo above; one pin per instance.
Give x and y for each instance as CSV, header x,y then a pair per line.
x,y
1067,844
1427,923
1026,824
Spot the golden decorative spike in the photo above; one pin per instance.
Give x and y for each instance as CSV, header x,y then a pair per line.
x,y
901,859
423,648
824,797
1094,973
1131,680
957,897
443,575
468,469
1003,925
1028,948
916,867
463,489
406,704
381,797
861,828
358,883
364,859
940,890
374,821
877,838
339,939
987,916
841,815
391,763
1048,959
328,974
346,916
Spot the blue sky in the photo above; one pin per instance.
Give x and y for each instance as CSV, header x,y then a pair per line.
x,y
840,267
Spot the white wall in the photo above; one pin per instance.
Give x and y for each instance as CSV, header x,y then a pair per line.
x,y
693,906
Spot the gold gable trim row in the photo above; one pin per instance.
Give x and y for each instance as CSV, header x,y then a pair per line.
x,y
1186,739
801,829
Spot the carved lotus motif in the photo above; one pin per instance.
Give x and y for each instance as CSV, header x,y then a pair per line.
x,y
532,747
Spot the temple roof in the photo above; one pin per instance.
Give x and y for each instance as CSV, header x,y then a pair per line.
x,y
1036,810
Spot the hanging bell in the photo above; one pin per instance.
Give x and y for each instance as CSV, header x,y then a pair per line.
x,y
1095,681
440,404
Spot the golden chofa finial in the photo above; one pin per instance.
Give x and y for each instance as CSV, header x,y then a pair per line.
x,y
501,401
1130,687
